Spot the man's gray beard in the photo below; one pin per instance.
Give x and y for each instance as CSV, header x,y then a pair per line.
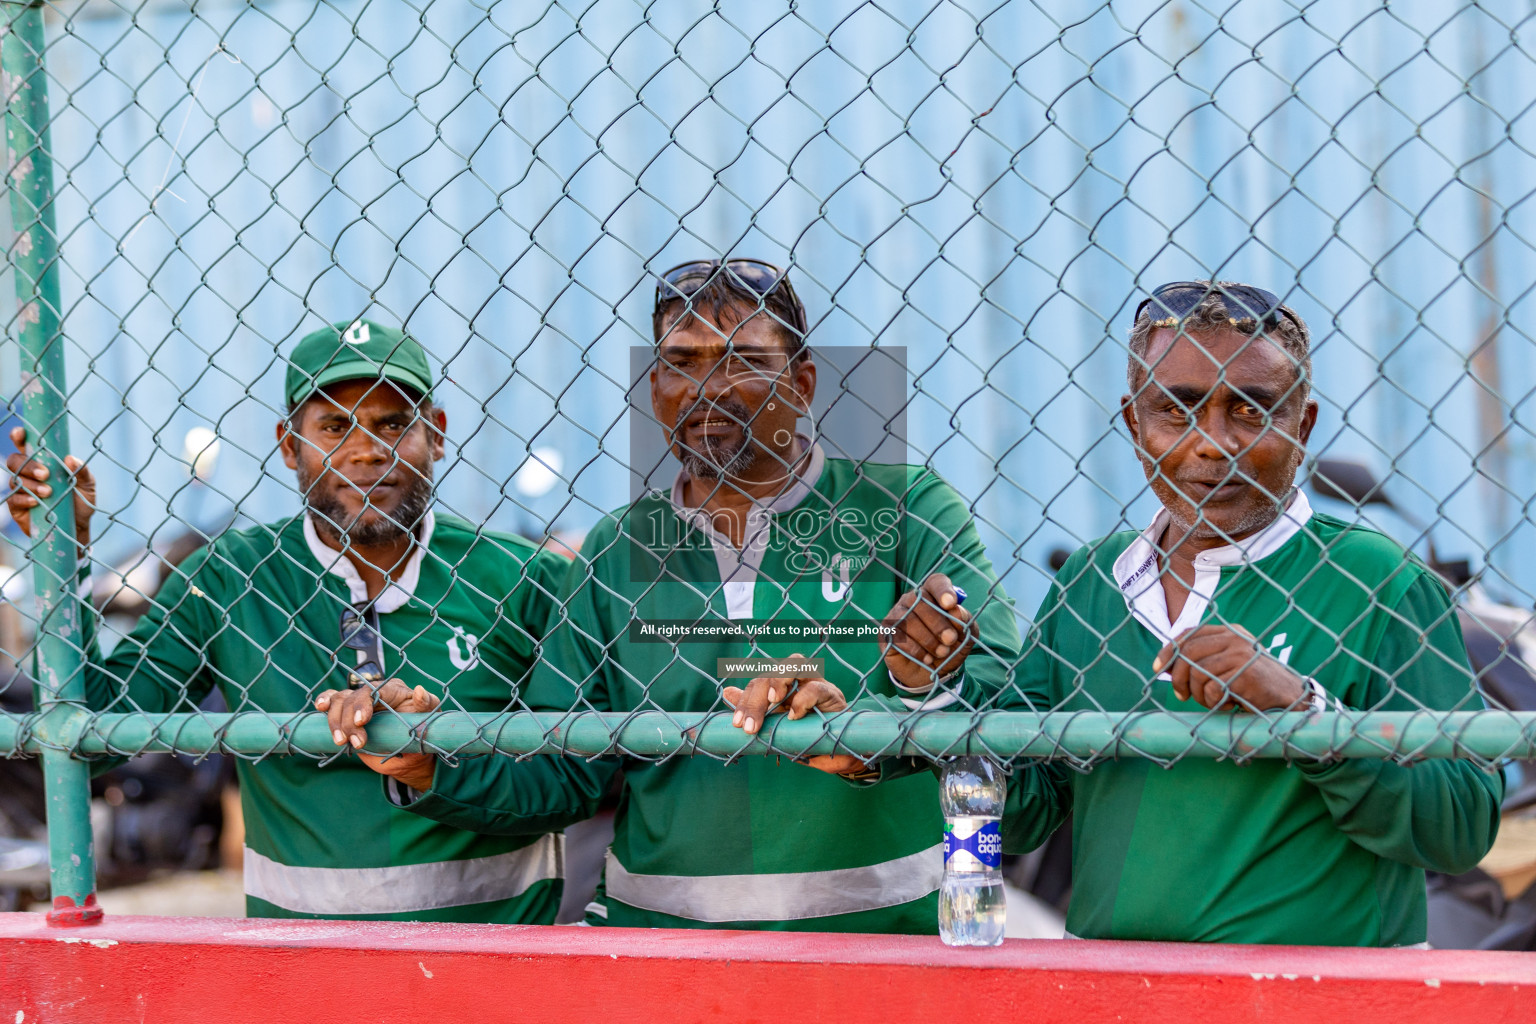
x,y
330,518
719,460
1258,518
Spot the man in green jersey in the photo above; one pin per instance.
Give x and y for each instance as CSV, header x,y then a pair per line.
x,y
761,525
368,581
1240,598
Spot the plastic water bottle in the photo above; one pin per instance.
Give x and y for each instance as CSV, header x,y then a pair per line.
x,y
972,907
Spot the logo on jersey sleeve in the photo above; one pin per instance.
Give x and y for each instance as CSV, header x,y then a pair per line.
x,y
463,649
836,577
1278,648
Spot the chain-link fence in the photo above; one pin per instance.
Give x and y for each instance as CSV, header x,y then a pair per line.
x,y
973,203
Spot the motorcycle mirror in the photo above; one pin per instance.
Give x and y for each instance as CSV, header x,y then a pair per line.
x,y
1347,480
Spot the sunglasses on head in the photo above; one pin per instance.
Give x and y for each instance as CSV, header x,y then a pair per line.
x,y
1172,302
358,635
754,276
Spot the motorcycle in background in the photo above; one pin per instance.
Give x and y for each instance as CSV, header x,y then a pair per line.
x,y
1493,906
153,813
23,832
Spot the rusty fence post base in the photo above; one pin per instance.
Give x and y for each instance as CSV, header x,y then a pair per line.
x,y
66,915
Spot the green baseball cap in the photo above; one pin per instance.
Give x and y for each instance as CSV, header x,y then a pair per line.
x,y
356,350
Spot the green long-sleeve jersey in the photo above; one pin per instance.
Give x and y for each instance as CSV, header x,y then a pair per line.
x,y
758,843
257,613
1306,853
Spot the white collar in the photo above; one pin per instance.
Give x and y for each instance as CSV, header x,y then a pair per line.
x,y
785,501
1136,570
396,592
739,569
755,537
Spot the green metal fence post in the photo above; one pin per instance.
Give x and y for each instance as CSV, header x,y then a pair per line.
x,y
34,260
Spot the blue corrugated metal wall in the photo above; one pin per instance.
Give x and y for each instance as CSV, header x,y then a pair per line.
x,y
991,186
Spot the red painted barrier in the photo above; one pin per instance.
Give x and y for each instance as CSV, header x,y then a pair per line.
x,y
202,970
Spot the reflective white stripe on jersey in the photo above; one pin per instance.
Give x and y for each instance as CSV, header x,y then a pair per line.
x,y
403,888
791,896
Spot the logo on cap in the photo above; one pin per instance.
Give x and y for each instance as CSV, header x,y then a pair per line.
x,y
357,334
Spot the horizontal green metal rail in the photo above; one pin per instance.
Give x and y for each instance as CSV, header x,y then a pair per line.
x,y
1398,735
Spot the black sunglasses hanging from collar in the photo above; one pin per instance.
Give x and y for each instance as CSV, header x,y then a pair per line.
x,y
360,633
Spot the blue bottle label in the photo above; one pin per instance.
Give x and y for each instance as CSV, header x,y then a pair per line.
x,y
985,845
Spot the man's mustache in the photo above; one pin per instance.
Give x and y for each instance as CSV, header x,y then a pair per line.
x,y
732,407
